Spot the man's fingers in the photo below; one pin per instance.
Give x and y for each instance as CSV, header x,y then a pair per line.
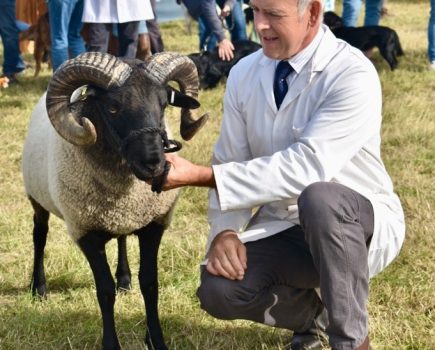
x,y
227,256
211,269
230,262
236,264
223,264
225,50
215,268
241,253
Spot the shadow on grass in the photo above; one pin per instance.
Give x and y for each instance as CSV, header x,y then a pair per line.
x,y
55,284
45,327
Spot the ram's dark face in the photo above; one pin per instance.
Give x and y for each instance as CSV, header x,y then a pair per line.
x,y
133,123
131,118
120,114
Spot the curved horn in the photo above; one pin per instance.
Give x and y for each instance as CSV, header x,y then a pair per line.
x,y
167,66
100,69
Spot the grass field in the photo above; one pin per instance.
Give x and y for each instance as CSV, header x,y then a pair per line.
x,y
402,299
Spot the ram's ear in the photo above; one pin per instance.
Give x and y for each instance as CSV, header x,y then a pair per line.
x,y
178,99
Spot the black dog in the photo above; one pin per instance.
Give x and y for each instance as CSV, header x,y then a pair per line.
x,y
365,38
212,69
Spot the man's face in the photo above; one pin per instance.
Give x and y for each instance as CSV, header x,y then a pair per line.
x,y
282,30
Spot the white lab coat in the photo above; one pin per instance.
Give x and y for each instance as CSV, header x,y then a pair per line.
x,y
327,129
116,11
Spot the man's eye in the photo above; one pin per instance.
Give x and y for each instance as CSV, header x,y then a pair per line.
x,y
275,15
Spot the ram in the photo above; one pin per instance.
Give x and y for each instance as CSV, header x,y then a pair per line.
x,y
89,159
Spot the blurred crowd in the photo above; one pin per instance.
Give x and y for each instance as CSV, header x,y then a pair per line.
x,y
130,28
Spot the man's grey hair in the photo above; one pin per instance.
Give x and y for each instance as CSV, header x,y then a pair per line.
x,y
303,4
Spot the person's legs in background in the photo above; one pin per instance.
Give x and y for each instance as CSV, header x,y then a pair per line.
x,y
207,41
431,36
372,12
60,16
350,14
12,60
75,41
201,34
155,36
236,23
143,42
99,34
372,17
128,37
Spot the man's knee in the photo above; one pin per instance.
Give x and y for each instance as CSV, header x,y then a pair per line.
x,y
223,298
321,207
316,199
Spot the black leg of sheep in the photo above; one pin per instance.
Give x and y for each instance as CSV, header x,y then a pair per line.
x,y
93,246
40,230
123,274
149,242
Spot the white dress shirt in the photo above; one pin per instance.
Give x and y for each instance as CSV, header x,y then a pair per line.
x,y
327,129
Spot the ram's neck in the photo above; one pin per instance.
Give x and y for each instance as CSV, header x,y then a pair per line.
x,y
103,168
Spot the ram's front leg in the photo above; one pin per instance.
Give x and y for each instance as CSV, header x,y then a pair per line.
x,y
149,242
93,246
40,230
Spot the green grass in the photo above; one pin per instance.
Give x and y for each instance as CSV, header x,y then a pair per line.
x,y
402,299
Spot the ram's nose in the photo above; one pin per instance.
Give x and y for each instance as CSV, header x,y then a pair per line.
x,y
146,171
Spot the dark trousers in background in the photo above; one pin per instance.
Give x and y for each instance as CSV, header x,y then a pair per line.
x,y
328,250
99,34
154,32
12,60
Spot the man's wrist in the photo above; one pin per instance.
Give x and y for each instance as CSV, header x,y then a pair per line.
x,y
205,177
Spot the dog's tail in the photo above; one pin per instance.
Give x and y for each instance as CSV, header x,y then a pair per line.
x,y
399,49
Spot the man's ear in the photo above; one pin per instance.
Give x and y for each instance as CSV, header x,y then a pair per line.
x,y
315,12
178,99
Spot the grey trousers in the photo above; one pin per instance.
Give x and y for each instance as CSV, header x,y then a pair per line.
x,y
328,250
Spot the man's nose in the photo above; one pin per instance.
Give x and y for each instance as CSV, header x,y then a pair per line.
x,y
260,22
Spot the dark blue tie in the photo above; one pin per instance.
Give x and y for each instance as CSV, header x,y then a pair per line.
x,y
280,86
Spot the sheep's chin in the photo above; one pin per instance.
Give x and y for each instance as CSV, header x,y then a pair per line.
x,y
145,173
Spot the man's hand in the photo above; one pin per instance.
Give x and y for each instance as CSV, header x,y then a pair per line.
x,y
185,173
225,50
227,256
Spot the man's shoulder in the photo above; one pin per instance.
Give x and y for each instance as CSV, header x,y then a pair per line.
x,y
247,64
334,55
348,56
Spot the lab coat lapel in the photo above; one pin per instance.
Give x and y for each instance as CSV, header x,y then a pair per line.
x,y
299,84
267,71
267,75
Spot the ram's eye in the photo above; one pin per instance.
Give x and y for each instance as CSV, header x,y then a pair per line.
x,y
113,110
